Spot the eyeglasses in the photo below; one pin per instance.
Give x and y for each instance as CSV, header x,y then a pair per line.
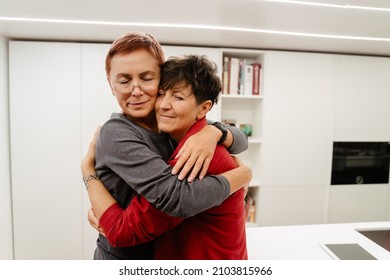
x,y
128,87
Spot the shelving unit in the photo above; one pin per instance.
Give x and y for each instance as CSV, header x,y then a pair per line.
x,y
240,109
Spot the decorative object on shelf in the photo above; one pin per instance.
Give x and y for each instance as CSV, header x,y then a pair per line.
x,y
246,129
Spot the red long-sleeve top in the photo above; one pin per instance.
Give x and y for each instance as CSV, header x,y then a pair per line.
x,y
218,233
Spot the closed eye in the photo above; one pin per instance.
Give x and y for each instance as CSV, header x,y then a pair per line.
x,y
178,97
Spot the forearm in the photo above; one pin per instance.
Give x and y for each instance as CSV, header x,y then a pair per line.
x,y
99,196
238,177
139,223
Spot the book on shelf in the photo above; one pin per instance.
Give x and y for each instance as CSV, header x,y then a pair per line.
x,y
225,75
240,77
234,75
248,83
256,78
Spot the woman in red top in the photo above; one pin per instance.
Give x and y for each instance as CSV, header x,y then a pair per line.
x,y
189,87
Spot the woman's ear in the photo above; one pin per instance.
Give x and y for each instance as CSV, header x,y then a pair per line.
x,y
205,107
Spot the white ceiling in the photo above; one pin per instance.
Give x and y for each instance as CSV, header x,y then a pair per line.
x,y
344,27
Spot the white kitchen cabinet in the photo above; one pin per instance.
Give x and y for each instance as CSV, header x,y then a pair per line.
x,y
45,121
358,203
362,98
6,241
298,119
297,138
97,104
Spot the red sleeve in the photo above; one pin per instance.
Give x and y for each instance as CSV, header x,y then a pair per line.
x,y
140,222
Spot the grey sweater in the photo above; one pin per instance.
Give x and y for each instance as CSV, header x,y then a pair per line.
x,y
131,160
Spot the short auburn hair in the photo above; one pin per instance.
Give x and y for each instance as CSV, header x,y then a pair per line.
x,y
133,41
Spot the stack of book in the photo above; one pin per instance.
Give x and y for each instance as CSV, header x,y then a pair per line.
x,y
240,77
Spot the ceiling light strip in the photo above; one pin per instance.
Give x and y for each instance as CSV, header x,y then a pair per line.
x,y
195,26
329,5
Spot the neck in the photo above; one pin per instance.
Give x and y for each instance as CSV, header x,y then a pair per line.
x,y
177,137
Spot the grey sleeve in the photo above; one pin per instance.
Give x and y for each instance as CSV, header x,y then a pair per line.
x,y
128,155
240,141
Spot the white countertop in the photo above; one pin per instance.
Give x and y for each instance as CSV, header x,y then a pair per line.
x,y
305,242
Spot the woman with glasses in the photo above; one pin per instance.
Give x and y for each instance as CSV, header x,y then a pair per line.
x,y
131,155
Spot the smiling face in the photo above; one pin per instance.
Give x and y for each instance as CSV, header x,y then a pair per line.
x,y
177,110
134,81
189,86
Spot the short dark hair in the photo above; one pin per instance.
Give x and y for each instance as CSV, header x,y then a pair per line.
x,y
195,70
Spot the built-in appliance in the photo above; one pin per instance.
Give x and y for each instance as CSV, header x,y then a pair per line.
x,y
360,163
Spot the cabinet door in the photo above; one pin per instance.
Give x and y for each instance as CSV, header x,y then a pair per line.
x,y
298,119
45,150
6,241
97,104
358,203
362,87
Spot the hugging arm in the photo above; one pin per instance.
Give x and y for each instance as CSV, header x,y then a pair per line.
x,y
150,176
140,222
135,161
196,154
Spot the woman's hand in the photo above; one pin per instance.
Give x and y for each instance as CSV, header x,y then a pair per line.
x,y
239,163
196,154
88,162
238,177
93,221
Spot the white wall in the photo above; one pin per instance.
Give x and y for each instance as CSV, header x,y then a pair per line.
x,y
6,242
